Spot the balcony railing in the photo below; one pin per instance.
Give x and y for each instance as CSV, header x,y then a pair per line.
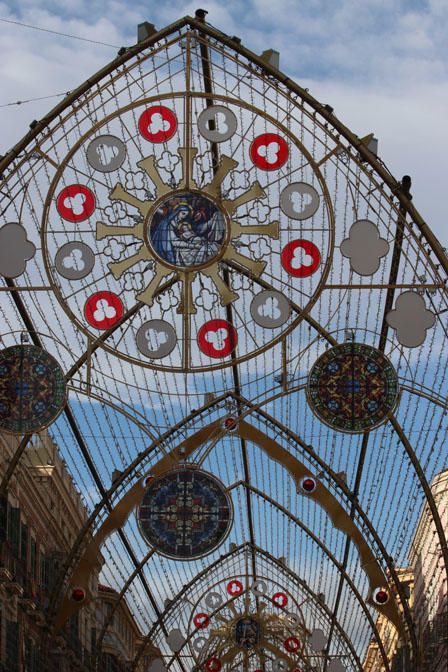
x,y
21,575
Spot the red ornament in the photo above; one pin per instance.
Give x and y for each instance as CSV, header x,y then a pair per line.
x,y
201,620
217,338
213,665
157,124
380,596
103,309
75,203
149,480
300,258
308,484
292,644
230,424
235,587
78,595
269,151
279,600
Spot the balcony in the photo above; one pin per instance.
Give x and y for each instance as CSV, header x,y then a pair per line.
x,y
18,579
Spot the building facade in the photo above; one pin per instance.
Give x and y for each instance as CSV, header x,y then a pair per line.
x,y
425,582
431,589
40,517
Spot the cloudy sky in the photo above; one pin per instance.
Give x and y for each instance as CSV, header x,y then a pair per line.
x,y
382,65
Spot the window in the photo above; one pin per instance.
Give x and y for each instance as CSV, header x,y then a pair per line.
x,y
12,646
24,544
3,517
45,573
33,558
14,530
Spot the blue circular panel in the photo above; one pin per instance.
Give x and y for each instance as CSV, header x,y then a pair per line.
x,y
32,389
187,230
352,387
185,513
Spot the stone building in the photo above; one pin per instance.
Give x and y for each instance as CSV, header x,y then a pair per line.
x,y
121,636
39,520
426,583
373,661
431,589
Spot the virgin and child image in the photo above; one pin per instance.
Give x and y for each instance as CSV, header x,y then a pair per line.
x,y
187,230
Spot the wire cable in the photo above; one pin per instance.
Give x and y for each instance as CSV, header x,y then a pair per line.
x,y
33,100
56,32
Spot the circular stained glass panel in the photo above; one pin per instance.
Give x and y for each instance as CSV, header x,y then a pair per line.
x,y
187,230
352,387
32,389
185,513
247,633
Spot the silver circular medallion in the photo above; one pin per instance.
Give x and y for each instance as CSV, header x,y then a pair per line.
x,y
106,153
226,127
270,309
156,339
74,261
299,200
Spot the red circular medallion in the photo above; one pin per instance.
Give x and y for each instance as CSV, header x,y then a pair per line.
x,y
269,151
300,258
279,600
217,338
201,620
235,587
292,644
157,124
213,665
103,309
75,203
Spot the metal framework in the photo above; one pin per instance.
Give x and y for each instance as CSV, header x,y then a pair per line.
x,y
109,430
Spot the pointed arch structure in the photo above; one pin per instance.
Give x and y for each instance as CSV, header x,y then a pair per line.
x,y
245,416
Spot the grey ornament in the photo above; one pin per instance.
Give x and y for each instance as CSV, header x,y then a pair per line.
x,y
318,640
74,260
175,640
410,319
270,309
15,250
364,247
156,339
209,114
106,153
299,200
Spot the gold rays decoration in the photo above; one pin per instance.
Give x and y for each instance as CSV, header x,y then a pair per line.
x,y
146,209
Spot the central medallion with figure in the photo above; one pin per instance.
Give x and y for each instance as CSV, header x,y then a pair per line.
x,y
187,230
247,632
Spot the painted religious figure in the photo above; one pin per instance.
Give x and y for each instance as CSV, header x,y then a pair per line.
x,y
247,633
187,230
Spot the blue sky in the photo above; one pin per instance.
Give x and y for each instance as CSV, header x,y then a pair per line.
x,y
382,65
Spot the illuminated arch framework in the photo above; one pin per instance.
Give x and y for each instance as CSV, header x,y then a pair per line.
x,y
401,192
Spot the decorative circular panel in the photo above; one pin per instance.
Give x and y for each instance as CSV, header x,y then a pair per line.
x,y
189,228
32,389
247,632
234,618
185,513
186,230
352,387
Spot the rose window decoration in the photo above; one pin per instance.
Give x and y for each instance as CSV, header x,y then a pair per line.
x,y
238,622
216,242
